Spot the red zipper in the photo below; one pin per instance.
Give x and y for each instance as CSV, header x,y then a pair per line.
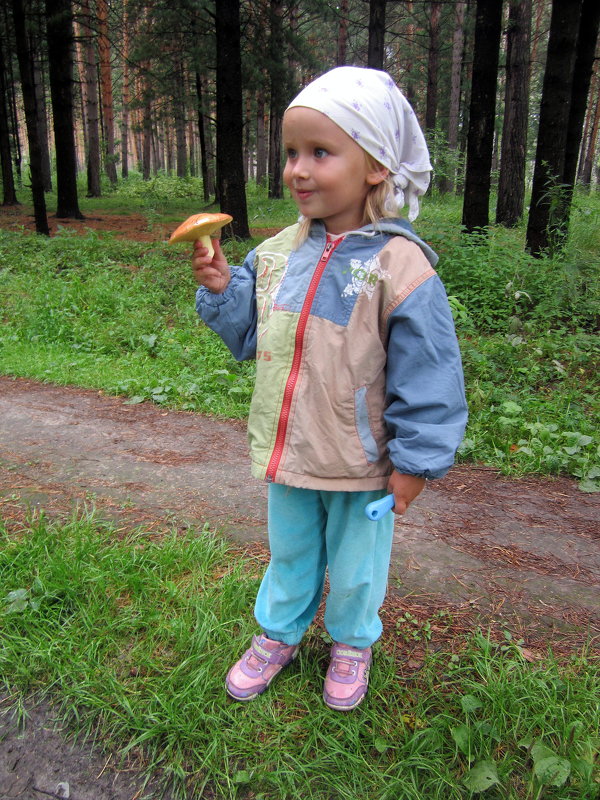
x,y
290,385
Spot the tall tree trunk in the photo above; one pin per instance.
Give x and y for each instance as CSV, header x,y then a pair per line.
x,y
230,150
433,64
482,115
588,161
261,142
192,147
511,183
342,41
179,115
582,78
90,94
126,97
40,104
207,188
106,91
538,32
35,155
8,183
407,56
376,34
277,87
14,126
458,38
147,132
543,225
60,61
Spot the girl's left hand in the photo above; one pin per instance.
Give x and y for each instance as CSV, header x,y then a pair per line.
x,y
404,488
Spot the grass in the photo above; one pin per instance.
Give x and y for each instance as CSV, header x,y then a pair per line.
x,y
118,315
131,634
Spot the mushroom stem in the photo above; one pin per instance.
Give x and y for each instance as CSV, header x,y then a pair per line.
x,y
207,242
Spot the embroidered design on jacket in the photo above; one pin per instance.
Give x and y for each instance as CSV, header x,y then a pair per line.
x,y
365,275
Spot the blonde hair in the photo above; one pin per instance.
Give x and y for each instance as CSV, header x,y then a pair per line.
x,y
379,203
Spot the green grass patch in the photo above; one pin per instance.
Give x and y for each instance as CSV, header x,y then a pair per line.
x,y
117,315
131,634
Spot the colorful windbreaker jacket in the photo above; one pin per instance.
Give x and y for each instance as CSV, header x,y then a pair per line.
x,y
358,367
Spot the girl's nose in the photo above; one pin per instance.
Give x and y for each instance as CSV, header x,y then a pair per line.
x,y
299,167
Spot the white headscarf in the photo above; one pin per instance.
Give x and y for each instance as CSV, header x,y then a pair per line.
x,y
369,107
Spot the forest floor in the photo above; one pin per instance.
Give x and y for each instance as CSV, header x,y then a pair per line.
x,y
517,554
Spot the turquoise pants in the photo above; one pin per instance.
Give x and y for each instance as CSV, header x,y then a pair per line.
x,y
311,531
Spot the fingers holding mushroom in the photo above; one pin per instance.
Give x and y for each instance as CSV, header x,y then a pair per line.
x,y
210,271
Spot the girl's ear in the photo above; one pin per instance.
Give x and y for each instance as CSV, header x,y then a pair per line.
x,y
377,175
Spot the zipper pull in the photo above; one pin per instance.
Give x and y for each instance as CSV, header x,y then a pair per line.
x,y
328,248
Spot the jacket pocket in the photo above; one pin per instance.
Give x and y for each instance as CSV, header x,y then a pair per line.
x,y
363,426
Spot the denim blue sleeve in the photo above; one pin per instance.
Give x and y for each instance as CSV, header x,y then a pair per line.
x,y
232,315
426,409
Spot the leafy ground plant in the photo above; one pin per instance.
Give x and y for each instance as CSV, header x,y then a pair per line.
x,y
131,634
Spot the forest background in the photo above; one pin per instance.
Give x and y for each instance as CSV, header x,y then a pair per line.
x,y
507,92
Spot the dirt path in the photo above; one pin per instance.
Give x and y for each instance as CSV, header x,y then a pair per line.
x,y
528,547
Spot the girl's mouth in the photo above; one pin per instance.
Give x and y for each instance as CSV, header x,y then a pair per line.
x,y
303,194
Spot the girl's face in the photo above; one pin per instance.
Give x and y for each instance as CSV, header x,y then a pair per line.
x,y
326,171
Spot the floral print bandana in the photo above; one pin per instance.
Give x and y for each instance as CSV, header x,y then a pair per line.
x,y
369,107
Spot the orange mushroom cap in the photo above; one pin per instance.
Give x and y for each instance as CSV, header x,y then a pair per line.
x,y
200,226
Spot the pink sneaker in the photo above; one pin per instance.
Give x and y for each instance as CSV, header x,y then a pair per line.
x,y
347,677
255,670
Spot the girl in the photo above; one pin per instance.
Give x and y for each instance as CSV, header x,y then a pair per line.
x,y
359,386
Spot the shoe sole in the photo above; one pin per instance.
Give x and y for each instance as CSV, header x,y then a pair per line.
x,y
331,705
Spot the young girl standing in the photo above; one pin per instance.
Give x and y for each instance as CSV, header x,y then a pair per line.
x,y
359,386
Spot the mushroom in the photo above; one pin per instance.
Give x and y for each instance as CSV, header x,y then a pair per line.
x,y
200,226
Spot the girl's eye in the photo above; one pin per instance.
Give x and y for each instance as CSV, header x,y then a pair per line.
x,y
320,152
291,153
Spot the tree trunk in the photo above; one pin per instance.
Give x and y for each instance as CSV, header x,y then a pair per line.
x,y
106,92
35,155
376,34
147,134
40,104
342,41
433,65
179,116
207,188
406,55
582,78
8,183
261,142
588,159
126,97
511,183
92,115
230,142
482,115
458,38
543,226
277,85
60,61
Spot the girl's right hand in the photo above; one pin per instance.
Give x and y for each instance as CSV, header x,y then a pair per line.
x,y
212,272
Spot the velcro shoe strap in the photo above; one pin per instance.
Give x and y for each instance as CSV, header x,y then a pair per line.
x,y
269,656
355,655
